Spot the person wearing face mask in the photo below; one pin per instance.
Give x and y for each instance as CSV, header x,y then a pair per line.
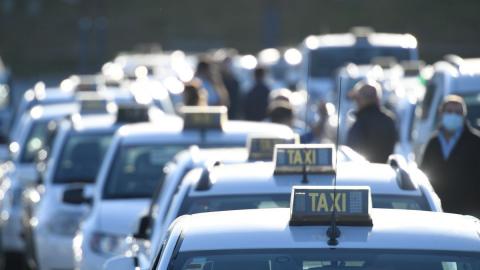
x,y
374,133
451,159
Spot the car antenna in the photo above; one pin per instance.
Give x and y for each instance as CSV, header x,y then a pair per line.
x,y
304,168
305,120
333,232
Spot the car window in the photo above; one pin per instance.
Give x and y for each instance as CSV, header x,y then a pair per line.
x,y
137,170
315,259
324,62
201,204
40,137
81,157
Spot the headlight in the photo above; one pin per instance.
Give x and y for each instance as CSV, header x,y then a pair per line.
x,y
108,244
77,247
65,224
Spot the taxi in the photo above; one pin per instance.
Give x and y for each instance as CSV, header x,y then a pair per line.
x,y
66,93
37,129
133,168
325,227
268,184
51,213
258,148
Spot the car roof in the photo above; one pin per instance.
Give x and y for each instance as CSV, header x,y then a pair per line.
x,y
392,229
233,131
258,178
406,41
195,154
53,111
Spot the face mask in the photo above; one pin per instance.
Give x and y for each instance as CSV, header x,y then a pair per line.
x,y
452,121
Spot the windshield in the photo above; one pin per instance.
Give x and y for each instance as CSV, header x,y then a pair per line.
x,y
81,157
317,259
473,109
40,137
200,204
137,170
324,62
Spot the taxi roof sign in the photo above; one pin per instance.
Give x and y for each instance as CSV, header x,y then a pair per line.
x,y
304,158
261,148
204,117
132,113
314,205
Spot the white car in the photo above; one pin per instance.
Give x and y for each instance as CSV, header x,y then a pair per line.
x,y
74,162
318,231
133,168
258,149
37,129
38,95
456,76
324,54
265,185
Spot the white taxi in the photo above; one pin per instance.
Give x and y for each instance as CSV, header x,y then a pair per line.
x,y
51,215
325,228
37,130
133,168
268,184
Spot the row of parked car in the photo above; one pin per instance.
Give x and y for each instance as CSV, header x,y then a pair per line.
x,y
100,169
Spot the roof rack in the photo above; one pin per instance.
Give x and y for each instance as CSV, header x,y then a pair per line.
x,y
205,182
404,180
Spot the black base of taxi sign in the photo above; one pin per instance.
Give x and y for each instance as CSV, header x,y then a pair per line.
x,y
318,205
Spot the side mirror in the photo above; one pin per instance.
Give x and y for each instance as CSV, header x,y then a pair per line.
x,y
75,196
121,263
143,227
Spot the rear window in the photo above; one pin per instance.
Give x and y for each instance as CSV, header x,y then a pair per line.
x,y
328,259
200,204
324,62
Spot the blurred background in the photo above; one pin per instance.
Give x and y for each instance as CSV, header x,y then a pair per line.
x,y
77,36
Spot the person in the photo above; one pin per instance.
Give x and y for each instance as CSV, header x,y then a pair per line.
x,y
281,112
233,87
217,94
451,159
256,101
194,94
373,134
